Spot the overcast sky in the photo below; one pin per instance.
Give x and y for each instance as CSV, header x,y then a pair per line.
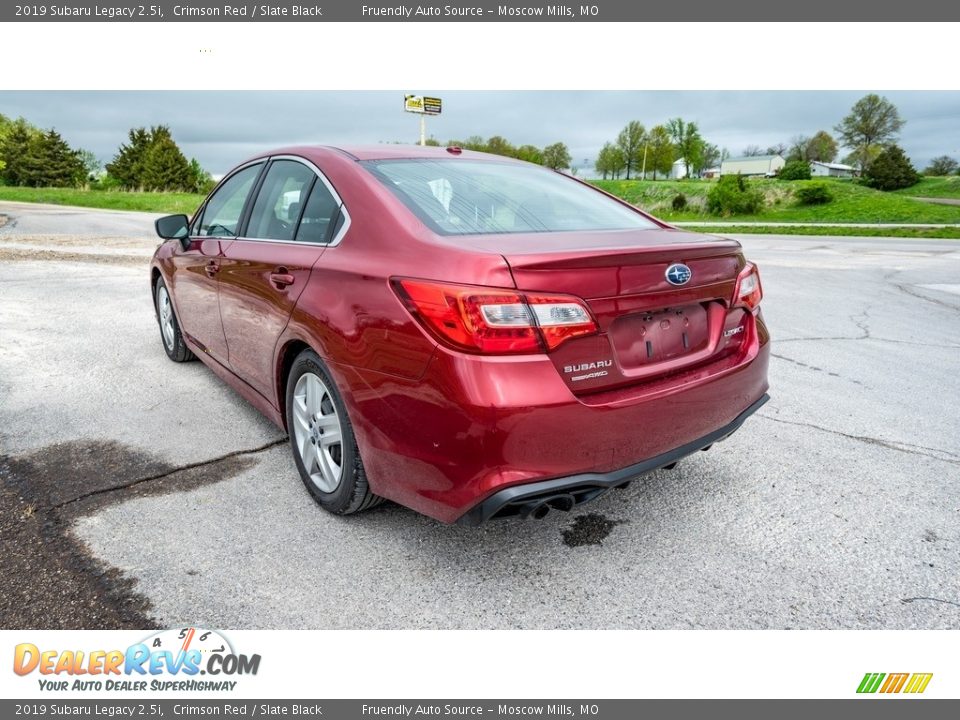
x,y
222,128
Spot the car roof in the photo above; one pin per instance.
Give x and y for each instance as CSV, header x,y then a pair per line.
x,y
390,151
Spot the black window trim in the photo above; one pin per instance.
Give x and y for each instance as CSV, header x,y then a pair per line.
x,y
341,208
198,216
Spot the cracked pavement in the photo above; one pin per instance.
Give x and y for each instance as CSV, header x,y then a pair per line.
x,y
837,506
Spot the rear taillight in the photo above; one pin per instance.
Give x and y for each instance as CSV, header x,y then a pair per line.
x,y
749,292
492,320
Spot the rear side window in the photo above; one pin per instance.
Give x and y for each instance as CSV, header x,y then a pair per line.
x,y
221,216
281,198
472,197
320,212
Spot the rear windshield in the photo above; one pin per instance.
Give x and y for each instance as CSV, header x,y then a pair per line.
x,y
471,197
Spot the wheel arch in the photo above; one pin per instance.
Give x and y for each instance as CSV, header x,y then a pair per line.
x,y
289,351
155,275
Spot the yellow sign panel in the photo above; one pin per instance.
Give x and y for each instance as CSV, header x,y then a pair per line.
x,y
422,104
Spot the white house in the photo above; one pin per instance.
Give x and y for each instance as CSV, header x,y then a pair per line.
x,y
679,170
822,169
756,166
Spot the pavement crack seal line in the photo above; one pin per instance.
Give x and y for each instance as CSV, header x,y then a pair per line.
x,y
862,323
930,599
872,337
952,458
907,290
52,580
913,293
814,368
167,473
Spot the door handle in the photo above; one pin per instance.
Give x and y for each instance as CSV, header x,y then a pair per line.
x,y
211,268
282,279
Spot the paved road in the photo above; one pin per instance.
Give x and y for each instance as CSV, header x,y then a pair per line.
x,y
939,201
38,219
837,507
70,233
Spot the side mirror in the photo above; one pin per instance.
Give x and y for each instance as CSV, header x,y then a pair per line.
x,y
173,227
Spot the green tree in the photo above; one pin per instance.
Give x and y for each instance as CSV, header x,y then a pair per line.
x,y
530,153
127,166
605,163
712,156
5,124
164,166
873,122
687,141
821,147
659,151
891,170
865,157
943,165
556,156
732,195
602,163
201,181
798,148
474,142
14,151
51,162
795,170
152,160
91,164
431,142
610,161
498,145
630,143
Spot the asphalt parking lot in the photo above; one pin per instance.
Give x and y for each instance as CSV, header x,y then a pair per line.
x,y
137,491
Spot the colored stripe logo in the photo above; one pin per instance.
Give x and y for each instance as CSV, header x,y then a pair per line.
x,y
913,683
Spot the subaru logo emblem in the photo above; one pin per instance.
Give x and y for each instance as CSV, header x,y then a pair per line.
x,y
678,274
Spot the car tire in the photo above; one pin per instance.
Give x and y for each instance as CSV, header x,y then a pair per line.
x,y
322,440
170,334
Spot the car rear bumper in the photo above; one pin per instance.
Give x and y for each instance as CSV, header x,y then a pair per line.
x,y
475,428
564,493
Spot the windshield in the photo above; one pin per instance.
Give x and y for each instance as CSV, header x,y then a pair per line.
x,y
470,197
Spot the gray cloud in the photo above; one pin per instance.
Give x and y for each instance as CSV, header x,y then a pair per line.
x,y
221,128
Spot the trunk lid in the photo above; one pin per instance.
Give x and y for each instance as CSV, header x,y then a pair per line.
x,y
648,327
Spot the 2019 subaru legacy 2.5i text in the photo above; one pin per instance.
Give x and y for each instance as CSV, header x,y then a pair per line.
x,y
467,335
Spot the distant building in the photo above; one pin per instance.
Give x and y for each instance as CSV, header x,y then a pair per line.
x,y
755,166
822,169
710,173
679,170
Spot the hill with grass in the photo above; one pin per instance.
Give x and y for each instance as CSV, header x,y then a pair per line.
x,y
934,187
852,202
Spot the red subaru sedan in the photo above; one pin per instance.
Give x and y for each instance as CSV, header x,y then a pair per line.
x,y
466,335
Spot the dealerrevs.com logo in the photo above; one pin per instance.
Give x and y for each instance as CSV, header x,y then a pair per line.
x,y
169,660
892,683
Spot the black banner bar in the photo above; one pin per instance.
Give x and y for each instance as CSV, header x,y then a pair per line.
x,y
732,11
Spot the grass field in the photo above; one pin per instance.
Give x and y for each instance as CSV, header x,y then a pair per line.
x,y
152,202
852,203
934,187
949,233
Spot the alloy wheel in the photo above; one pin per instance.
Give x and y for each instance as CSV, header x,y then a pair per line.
x,y
165,310
317,432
